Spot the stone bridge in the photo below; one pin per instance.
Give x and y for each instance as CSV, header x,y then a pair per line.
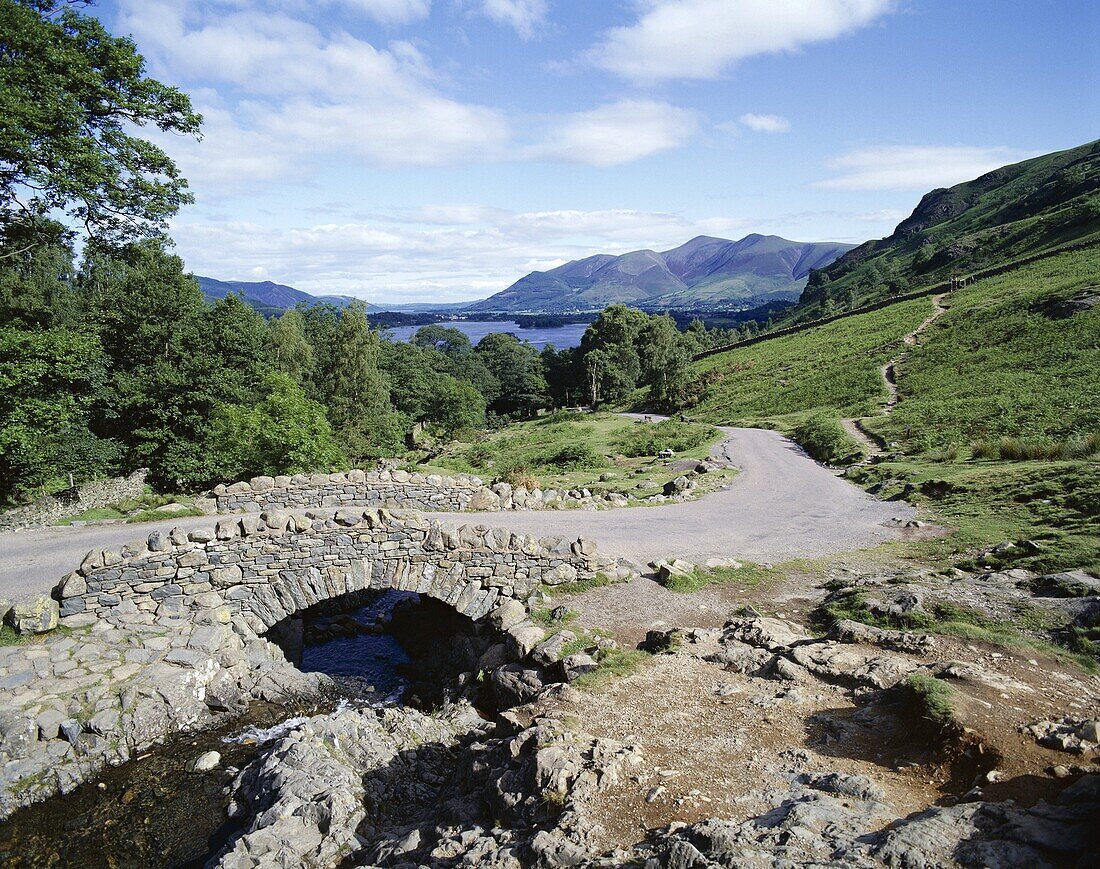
x,y
255,571
169,633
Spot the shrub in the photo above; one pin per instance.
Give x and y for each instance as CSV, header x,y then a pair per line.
x,y
648,439
934,697
824,438
520,476
947,454
574,457
1013,449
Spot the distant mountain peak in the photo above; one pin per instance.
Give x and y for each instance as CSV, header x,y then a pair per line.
x,y
706,270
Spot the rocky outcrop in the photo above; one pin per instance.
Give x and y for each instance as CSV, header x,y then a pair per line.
x,y
395,787
812,827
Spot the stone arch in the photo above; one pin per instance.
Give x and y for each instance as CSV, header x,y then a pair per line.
x,y
253,572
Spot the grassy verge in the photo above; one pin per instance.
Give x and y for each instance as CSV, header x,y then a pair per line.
x,y
600,452
748,575
581,585
934,698
956,621
10,637
1053,506
146,508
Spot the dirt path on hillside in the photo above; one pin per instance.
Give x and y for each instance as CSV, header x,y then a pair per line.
x,y
889,374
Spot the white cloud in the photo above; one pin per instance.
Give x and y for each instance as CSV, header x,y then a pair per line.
x,y
281,98
524,16
616,133
390,11
914,167
765,123
700,39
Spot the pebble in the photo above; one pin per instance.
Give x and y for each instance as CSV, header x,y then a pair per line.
x,y
206,761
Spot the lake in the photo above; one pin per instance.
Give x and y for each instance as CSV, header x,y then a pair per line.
x,y
560,336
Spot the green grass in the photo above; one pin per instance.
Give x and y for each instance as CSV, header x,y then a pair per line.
x,y
934,697
543,618
613,664
824,438
748,575
832,369
1006,362
573,451
581,585
141,509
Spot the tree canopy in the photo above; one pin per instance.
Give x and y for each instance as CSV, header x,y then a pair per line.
x,y
70,95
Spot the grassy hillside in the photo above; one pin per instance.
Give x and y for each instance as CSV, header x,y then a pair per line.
x,y
832,368
998,415
1007,214
1010,358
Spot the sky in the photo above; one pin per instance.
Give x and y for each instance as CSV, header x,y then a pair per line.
x,y
438,150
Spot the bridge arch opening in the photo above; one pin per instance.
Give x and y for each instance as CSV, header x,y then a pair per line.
x,y
393,646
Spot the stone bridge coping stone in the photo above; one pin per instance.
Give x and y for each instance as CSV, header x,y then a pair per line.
x,y
273,523
162,562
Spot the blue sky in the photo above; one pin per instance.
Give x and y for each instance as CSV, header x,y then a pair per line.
x,y
437,150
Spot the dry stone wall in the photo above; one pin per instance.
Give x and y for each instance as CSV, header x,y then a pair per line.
x,y
86,496
263,569
411,491
396,488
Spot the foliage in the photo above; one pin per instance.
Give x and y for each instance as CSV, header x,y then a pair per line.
x,y
283,433
832,368
934,697
824,438
49,381
648,439
1013,357
70,93
579,451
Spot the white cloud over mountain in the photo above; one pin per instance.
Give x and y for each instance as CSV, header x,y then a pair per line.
x,y
616,133
914,167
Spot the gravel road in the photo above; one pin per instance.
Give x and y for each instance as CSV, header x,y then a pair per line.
x,y
782,505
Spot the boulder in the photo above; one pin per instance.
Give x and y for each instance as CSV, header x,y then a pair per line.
x,y
509,613
484,499
205,762
666,570
1071,583
678,486
576,665
514,684
36,616
549,651
522,638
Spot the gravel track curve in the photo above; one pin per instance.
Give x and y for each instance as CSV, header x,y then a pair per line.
x,y
782,505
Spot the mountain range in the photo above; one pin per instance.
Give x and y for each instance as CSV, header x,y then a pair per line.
x,y
1012,212
268,297
705,271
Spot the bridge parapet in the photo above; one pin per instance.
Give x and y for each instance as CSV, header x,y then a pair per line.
x,y
254,571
